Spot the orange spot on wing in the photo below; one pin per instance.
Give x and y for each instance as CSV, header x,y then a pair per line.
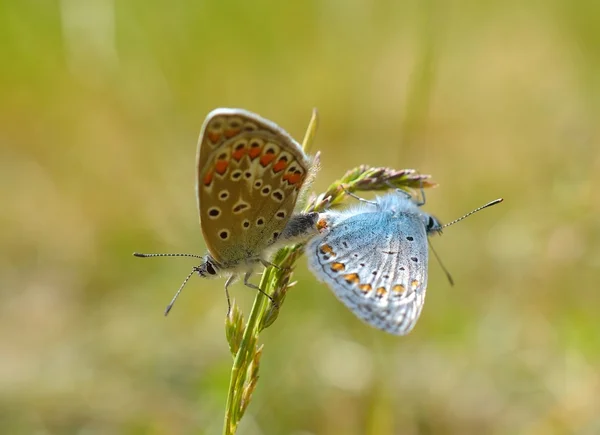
x,y
398,288
254,152
213,136
239,153
322,225
338,267
266,159
230,132
280,165
352,278
295,178
414,284
208,178
326,249
381,291
366,288
221,166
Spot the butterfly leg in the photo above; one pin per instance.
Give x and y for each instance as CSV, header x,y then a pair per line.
x,y
229,281
358,197
262,261
268,264
398,190
422,201
255,287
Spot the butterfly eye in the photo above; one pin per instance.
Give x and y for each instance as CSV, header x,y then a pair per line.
x,y
433,225
210,269
430,223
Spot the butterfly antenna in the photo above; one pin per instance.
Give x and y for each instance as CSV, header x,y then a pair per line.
x,y
489,204
450,280
187,278
137,254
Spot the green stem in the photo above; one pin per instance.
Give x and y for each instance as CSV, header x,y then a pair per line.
x,y
240,363
239,371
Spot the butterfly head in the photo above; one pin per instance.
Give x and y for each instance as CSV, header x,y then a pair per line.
x,y
209,267
432,224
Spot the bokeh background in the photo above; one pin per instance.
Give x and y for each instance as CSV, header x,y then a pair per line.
x,y
101,103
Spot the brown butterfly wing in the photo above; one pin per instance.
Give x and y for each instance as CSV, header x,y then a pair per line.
x,y
250,172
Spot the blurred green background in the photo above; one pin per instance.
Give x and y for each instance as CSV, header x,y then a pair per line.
x,y
101,103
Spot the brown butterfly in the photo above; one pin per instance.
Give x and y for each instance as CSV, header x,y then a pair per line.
x,y
250,173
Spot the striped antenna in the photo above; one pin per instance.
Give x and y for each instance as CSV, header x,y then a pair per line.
x,y
137,254
187,278
489,204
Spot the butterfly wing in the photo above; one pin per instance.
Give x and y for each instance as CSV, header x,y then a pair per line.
x,y
376,264
250,172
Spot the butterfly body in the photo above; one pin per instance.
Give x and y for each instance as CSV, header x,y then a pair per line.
x,y
374,257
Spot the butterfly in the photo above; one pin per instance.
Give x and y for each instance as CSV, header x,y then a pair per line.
x,y
374,257
250,174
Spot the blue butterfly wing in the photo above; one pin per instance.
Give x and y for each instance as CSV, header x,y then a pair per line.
x,y
376,264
